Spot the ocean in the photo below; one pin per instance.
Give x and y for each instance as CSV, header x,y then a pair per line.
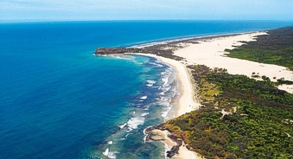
x,y
58,100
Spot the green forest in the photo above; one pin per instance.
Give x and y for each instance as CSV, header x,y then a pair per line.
x,y
260,123
274,48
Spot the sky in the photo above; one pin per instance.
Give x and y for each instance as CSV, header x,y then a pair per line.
x,y
72,10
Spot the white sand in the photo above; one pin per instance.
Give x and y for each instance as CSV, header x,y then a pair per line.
x,y
288,88
184,153
212,54
187,102
159,135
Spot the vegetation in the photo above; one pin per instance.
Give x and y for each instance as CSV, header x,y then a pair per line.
x,y
259,123
274,48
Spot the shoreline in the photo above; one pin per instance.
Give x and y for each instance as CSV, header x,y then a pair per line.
x,y
210,51
186,103
187,38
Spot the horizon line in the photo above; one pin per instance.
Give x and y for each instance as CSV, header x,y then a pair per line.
x,y
125,20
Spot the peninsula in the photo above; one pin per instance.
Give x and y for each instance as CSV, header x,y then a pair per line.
x,y
236,95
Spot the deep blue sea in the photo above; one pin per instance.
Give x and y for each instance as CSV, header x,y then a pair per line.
x,y
59,101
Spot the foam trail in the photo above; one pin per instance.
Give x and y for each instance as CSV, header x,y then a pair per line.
x,y
110,142
151,81
156,64
144,114
112,155
134,122
106,152
144,97
122,126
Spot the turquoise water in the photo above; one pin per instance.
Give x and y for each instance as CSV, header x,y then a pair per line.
x,y
58,100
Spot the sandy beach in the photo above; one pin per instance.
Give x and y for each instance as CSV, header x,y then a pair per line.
x,y
187,102
211,52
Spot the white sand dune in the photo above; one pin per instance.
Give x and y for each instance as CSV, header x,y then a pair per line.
x,y
212,54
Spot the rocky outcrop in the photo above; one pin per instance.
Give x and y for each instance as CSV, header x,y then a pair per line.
x,y
175,148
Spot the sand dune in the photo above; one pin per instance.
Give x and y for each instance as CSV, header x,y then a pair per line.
x,y
212,53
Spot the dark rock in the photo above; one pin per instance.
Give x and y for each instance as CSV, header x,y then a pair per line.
x,y
174,150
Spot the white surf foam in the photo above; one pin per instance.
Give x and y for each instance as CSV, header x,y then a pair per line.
x,y
106,152
112,154
166,112
150,83
166,88
122,126
110,142
156,64
144,114
165,77
134,122
165,80
144,97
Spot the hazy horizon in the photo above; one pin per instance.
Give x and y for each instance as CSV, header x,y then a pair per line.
x,y
99,10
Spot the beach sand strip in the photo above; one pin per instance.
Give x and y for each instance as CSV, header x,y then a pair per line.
x,y
212,53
